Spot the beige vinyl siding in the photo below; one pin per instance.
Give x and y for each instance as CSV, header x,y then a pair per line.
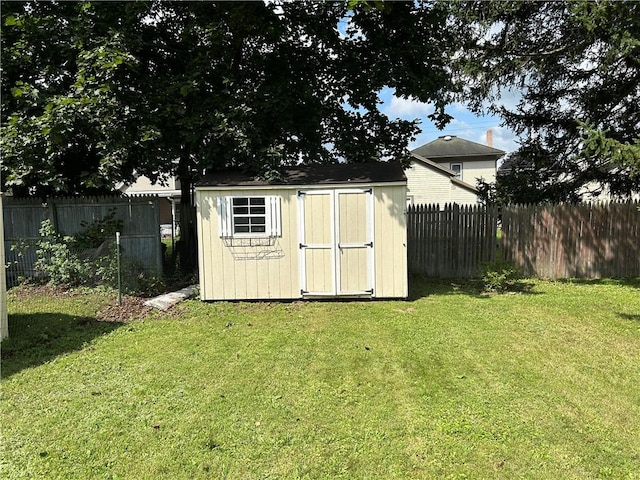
x,y
462,196
429,185
474,170
144,185
605,194
4,327
390,242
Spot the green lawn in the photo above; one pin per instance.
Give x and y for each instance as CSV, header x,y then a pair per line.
x,y
451,384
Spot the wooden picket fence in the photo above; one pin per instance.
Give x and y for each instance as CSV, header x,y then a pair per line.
x,y
450,242
598,240
573,240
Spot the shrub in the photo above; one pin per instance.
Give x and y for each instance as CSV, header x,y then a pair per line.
x,y
90,258
500,277
99,230
56,260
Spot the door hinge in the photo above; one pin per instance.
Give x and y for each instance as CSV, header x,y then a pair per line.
x,y
303,245
370,291
300,193
370,244
302,292
369,190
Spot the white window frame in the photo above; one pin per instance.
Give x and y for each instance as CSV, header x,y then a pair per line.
x,y
226,217
458,174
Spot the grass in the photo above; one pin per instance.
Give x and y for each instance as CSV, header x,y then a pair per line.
x,y
451,384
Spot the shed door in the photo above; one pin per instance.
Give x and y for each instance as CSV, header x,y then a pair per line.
x,y
336,242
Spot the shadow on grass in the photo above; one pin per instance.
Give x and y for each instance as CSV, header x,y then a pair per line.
x,y
627,282
37,338
420,287
630,316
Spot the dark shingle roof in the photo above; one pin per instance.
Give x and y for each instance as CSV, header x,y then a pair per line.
x,y
347,173
449,146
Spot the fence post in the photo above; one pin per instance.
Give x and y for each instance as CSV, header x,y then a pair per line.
x,y
455,233
118,263
53,213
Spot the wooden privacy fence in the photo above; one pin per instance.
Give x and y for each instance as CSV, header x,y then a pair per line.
x,y
573,240
140,236
450,242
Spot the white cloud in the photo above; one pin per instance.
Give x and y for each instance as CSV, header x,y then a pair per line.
x,y
459,107
465,124
504,139
406,108
509,98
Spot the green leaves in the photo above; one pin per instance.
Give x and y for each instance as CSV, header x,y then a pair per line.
x,y
93,92
567,62
67,126
598,144
11,21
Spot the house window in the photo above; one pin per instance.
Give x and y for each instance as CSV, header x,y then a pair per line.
x,y
249,216
457,167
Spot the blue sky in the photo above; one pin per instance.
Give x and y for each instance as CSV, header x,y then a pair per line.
x,y
465,124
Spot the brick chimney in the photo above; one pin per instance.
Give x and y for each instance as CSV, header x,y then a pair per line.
x,y
490,138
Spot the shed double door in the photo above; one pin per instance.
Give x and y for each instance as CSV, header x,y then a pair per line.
x,y
336,242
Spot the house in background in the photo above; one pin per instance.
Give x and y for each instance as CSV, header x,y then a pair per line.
x,y
429,182
169,194
447,170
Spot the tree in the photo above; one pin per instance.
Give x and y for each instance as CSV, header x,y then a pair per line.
x,y
577,67
209,85
94,93
66,125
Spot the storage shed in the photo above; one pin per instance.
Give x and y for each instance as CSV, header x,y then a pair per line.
x,y
326,231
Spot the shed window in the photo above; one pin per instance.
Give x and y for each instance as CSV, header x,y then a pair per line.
x,y
249,216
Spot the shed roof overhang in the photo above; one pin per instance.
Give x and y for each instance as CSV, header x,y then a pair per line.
x,y
315,175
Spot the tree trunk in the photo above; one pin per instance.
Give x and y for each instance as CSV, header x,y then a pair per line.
x,y
187,247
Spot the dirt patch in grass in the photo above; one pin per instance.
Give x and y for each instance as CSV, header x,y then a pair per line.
x,y
106,304
132,309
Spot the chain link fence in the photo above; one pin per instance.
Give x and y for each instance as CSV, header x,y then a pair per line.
x,y
66,238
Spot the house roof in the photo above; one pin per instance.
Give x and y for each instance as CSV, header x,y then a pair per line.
x,y
515,161
465,185
341,173
443,169
450,146
431,163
